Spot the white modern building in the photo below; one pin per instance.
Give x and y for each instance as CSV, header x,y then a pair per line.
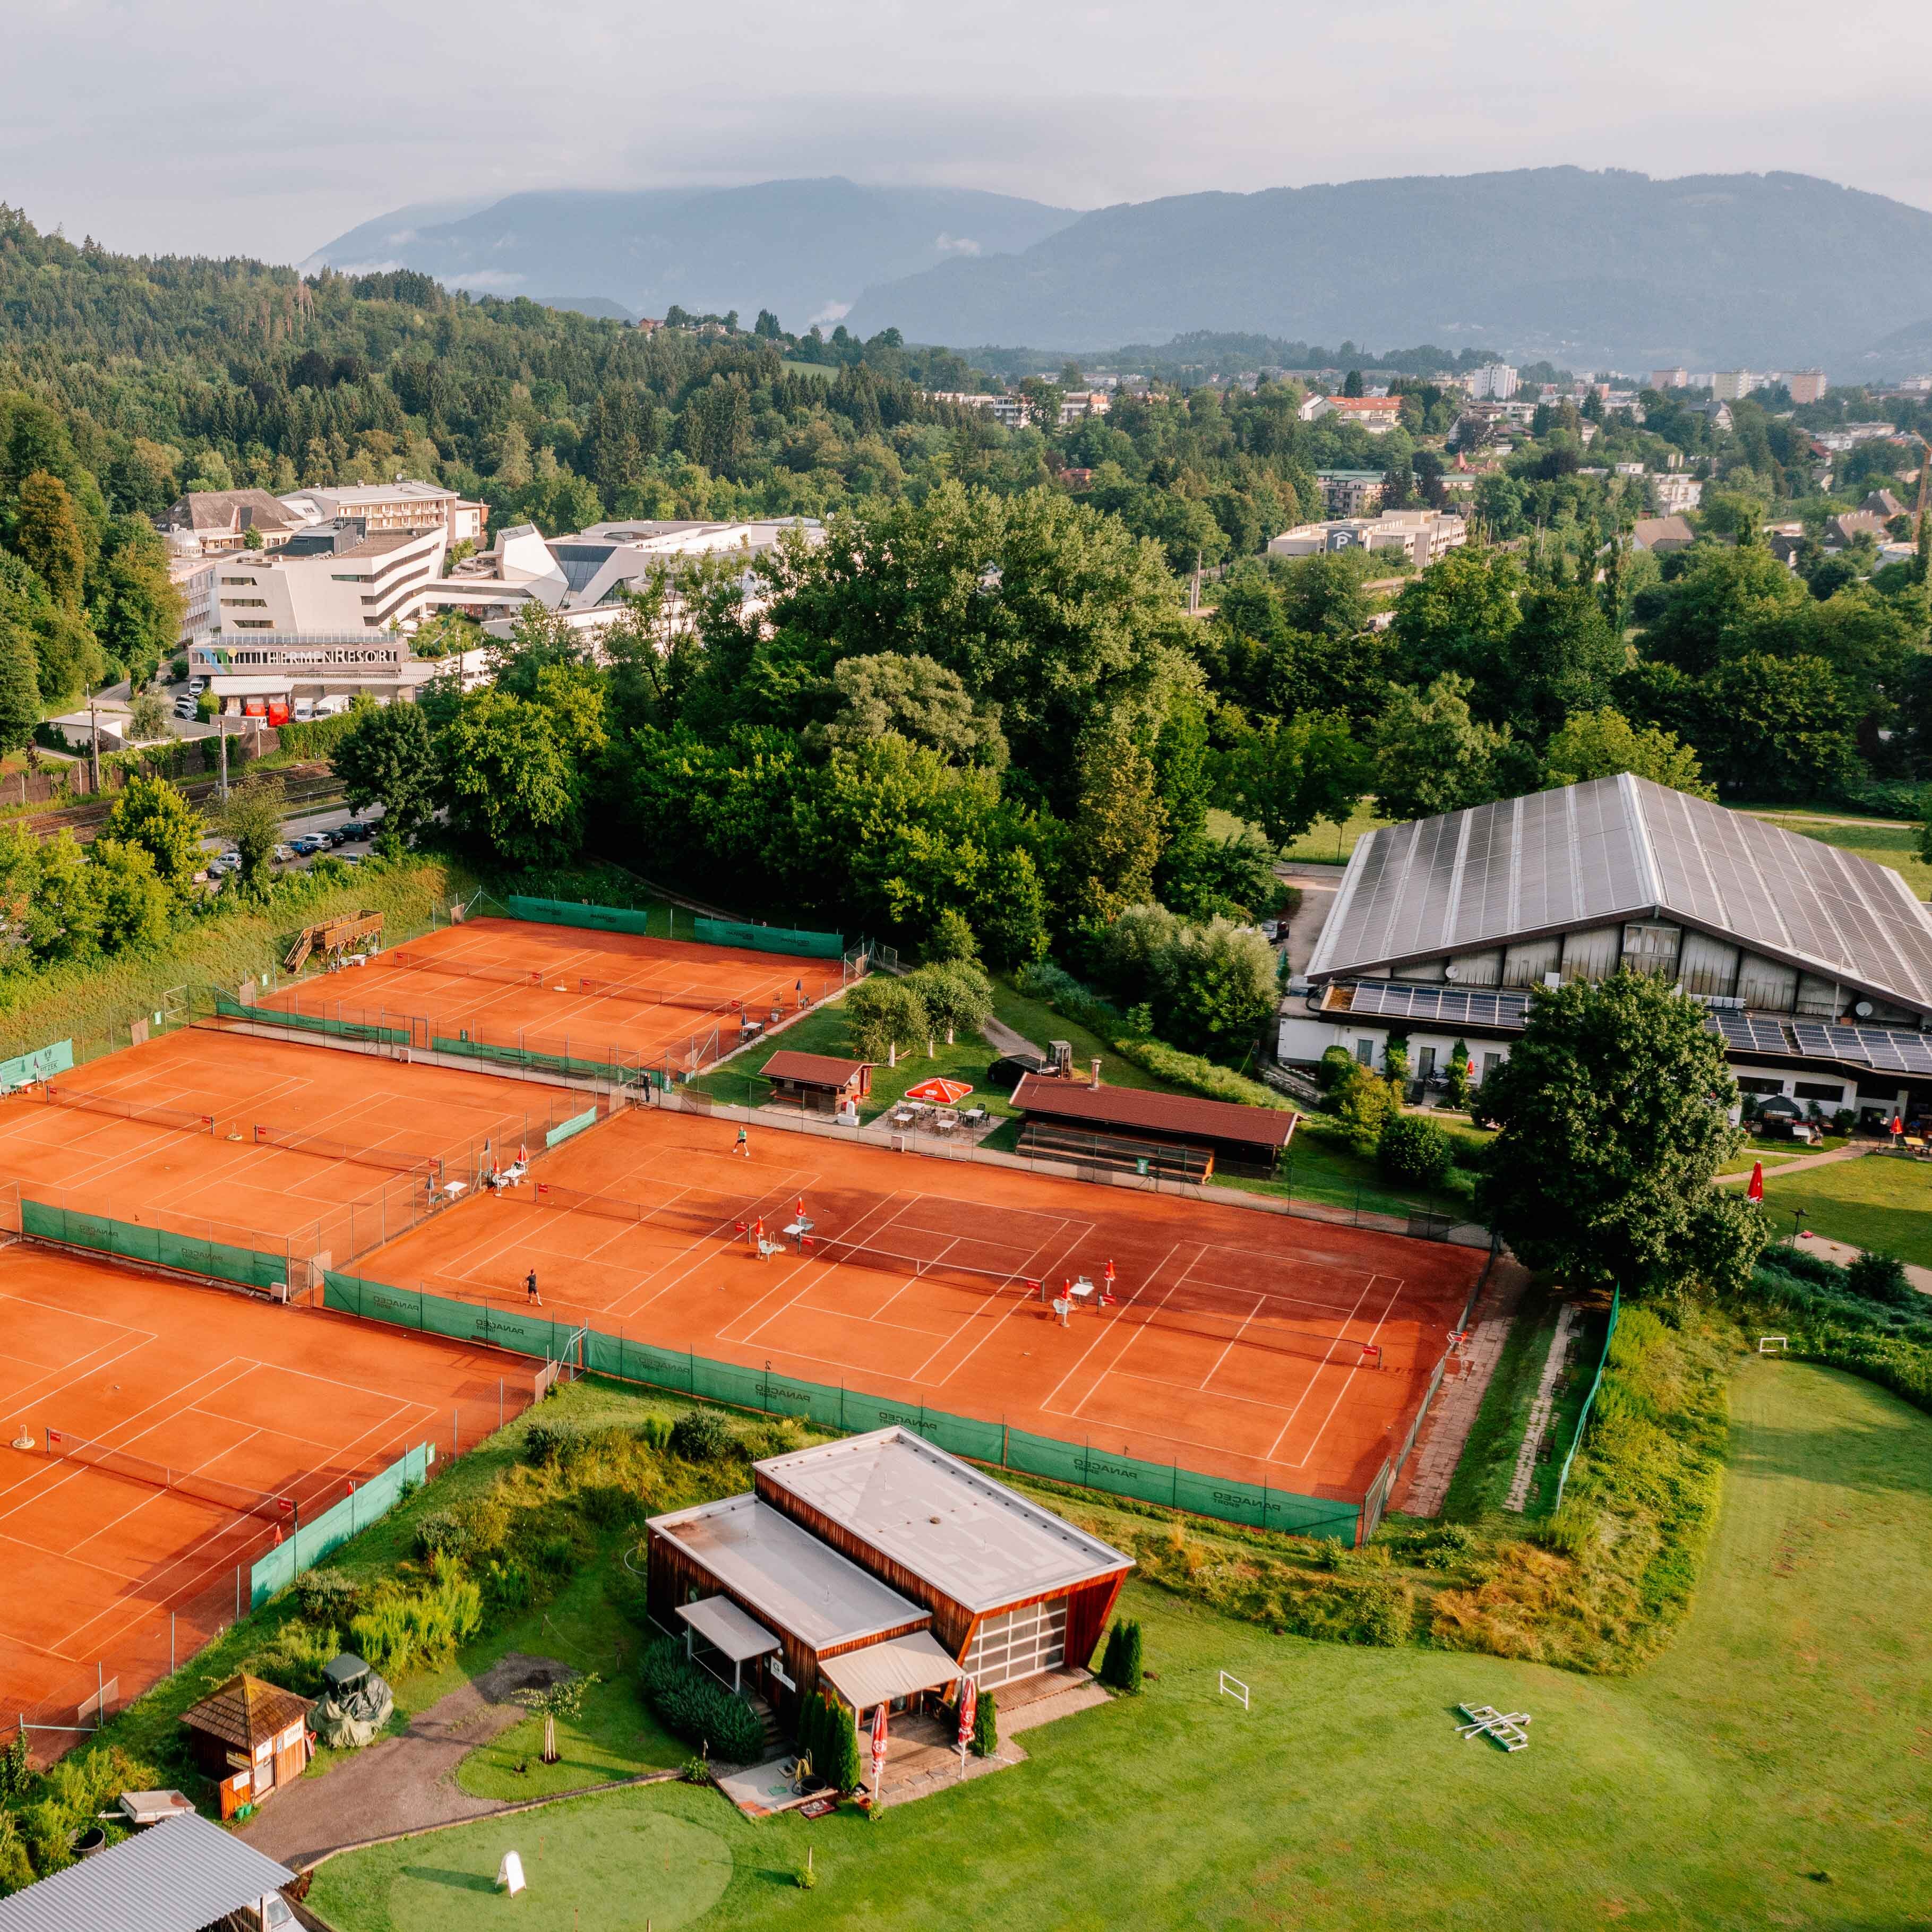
x,y
1815,965
1675,491
1423,536
1494,381
329,580
384,509
1378,415
584,577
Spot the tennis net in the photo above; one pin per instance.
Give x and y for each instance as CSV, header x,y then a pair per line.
x,y
687,1217
129,1110
393,1160
62,1447
568,983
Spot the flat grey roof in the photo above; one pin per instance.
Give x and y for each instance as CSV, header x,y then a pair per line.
x,y
1620,848
972,1539
794,1581
178,1877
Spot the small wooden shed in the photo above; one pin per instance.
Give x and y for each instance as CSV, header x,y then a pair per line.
x,y
817,1082
250,1738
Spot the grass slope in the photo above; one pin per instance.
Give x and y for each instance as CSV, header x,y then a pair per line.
x,y
1770,1770
1880,1202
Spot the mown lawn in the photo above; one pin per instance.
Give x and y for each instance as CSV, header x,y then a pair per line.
x,y
1881,1202
1770,1770
1329,844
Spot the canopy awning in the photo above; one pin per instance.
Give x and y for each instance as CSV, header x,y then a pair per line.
x,y
896,1668
720,1622
230,684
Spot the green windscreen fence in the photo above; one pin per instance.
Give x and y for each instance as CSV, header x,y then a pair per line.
x,y
229,1008
161,1247
567,912
42,1063
850,1409
792,940
308,1543
565,1129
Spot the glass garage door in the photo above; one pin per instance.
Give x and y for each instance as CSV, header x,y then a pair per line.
x,y
1022,1643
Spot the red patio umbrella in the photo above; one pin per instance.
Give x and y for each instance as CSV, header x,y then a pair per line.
x,y
878,1749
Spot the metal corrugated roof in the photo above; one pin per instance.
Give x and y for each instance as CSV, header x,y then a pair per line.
x,y
1136,1108
1620,848
726,1627
174,1877
972,1538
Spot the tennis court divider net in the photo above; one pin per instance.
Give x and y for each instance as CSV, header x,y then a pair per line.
x,y
850,1410
141,1115
61,1445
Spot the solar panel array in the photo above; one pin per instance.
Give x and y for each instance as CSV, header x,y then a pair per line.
x,y
1596,853
1449,1006
1882,1048
1751,1033
1794,896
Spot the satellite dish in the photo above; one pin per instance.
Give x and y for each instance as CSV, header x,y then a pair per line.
x,y
1863,1010
1451,972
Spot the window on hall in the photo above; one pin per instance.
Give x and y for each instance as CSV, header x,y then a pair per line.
x,y
1491,1061
1365,1051
1022,1643
238,580
1425,1062
1815,1090
1750,1084
244,603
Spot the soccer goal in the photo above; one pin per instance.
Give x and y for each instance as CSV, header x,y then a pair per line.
x,y
1233,1687
1773,1345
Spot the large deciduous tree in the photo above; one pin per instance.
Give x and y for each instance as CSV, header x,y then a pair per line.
x,y
387,756
153,814
1613,1110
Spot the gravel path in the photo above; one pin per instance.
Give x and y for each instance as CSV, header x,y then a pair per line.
x,y
405,1783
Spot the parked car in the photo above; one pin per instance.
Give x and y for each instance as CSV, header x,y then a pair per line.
x,y
225,861
187,707
305,710
285,853
308,844
354,830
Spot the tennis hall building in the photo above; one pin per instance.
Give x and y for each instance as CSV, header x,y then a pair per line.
x,y
879,1569
1815,965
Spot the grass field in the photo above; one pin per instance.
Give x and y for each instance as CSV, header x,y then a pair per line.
x,y
1326,843
1880,1202
1771,1770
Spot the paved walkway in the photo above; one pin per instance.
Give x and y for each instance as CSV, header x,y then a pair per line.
x,y
401,1784
1854,1150
1844,1254
1439,1449
1002,1039
1318,885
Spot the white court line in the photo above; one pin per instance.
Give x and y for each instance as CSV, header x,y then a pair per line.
x,y
802,1268
1046,1403
1348,1377
1083,1229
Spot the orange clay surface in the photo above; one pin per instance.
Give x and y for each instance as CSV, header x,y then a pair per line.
x,y
233,1189
275,1399
1233,1346
509,983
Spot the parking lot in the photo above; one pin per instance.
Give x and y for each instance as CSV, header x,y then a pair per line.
x,y
307,836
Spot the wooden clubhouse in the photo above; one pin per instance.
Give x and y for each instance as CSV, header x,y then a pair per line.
x,y
1127,1128
817,1082
881,1570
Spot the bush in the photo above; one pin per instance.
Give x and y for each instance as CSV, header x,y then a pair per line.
x,y
1121,1665
295,1656
1363,1106
1195,1075
16,1870
701,1435
544,1443
952,938
986,1725
1336,1065
400,1627
442,1533
690,1706
1876,1277
328,1597
1414,1152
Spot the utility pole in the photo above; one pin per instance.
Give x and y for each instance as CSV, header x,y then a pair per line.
x,y
93,746
221,731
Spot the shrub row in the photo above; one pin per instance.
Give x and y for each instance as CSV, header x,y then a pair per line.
x,y
690,1705
1189,1070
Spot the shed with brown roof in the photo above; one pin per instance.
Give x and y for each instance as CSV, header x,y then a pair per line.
x,y
250,1737
1662,534
1237,1138
818,1082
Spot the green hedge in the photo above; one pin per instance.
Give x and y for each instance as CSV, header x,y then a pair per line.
x,y
692,1706
1197,1075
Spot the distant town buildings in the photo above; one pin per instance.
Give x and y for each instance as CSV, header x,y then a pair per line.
x,y
1015,412
1849,436
1669,378
385,508
1378,415
1673,491
1732,385
1494,381
1351,492
1807,385
1424,535
1662,534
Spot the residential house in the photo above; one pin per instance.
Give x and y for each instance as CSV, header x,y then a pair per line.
x,y
384,508
1351,492
1662,534
1378,415
206,522
1424,535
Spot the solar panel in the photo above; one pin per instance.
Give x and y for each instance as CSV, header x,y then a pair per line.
x,y
1446,1006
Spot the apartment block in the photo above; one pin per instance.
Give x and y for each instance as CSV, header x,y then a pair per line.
x,y
1424,535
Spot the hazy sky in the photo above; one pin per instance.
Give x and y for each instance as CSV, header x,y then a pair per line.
x,y
202,125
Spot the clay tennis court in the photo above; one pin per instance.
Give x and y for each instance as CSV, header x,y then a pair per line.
x,y
1240,1344
198,1380
214,1112
586,995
